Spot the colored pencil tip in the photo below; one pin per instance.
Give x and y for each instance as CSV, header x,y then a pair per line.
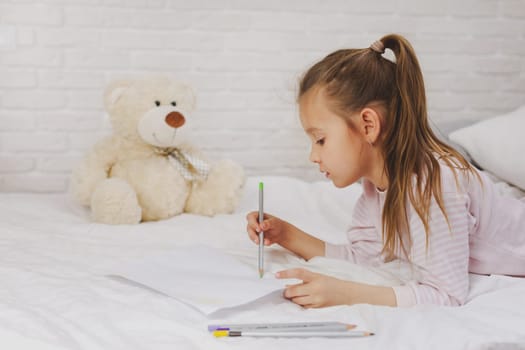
x,y
219,334
350,326
261,273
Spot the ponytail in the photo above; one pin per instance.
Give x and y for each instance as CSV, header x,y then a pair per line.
x,y
411,149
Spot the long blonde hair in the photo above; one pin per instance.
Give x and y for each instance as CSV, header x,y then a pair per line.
x,y
355,78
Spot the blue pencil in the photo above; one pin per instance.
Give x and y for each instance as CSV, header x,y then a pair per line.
x,y
294,326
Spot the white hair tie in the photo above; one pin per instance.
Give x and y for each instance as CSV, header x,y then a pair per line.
x,y
378,47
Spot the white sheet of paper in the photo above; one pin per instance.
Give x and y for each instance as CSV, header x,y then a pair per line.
x,y
202,277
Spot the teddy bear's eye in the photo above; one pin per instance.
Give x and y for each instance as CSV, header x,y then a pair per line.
x,y
174,103
157,103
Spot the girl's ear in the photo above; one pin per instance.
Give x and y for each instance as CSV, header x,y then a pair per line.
x,y
370,121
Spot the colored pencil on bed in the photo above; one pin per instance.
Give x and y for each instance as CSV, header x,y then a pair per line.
x,y
298,326
291,334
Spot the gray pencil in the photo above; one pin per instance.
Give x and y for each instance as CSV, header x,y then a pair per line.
x,y
261,234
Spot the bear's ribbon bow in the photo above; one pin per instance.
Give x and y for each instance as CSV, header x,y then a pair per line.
x,y
191,167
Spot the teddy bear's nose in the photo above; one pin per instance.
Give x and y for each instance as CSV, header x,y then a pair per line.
x,y
175,119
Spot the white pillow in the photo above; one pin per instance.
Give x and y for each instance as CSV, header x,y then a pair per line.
x,y
497,145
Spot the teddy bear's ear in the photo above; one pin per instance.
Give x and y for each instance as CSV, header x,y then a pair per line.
x,y
114,91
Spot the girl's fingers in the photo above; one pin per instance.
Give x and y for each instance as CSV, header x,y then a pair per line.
x,y
295,291
252,234
253,221
303,301
299,273
300,295
254,227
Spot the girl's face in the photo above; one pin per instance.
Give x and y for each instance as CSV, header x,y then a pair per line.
x,y
340,151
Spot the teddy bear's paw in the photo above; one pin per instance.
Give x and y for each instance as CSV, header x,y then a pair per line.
x,y
220,193
115,202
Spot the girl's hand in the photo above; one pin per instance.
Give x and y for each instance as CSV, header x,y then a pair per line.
x,y
316,290
274,228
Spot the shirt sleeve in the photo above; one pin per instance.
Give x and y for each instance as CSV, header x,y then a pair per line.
x,y
364,244
442,265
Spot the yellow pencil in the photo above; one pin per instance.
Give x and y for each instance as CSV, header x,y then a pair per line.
x,y
291,334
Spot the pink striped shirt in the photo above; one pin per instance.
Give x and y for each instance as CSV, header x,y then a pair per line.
x,y
487,237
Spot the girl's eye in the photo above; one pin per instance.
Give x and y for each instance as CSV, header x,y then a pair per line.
x,y
157,103
320,141
174,103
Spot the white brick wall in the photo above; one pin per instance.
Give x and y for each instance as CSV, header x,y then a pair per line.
x,y
243,57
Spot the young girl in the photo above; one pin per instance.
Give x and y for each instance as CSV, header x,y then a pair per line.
x,y
422,201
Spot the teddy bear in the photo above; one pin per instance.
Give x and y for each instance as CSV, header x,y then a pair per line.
x,y
149,169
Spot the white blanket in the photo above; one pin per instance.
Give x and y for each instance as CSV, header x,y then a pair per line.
x,y
55,294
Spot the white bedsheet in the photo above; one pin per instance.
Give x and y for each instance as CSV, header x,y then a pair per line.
x,y
55,294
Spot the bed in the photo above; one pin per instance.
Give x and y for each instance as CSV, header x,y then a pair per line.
x,y
57,294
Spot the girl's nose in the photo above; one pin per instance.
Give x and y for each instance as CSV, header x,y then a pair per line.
x,y
314,158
